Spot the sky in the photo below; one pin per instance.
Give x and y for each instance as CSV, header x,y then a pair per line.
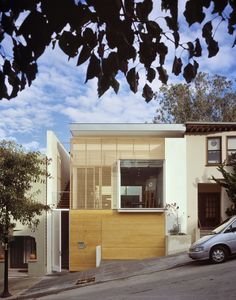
x,y
59,96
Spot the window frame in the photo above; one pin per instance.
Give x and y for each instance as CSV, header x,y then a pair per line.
x,y
123,209
207,151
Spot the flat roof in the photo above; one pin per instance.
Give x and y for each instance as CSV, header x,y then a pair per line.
x,y
128,129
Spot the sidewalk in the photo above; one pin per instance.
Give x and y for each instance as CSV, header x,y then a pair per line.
x,y
32,288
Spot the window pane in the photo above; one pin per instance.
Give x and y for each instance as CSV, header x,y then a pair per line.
x,y
232,143
214,144
141,184
214,157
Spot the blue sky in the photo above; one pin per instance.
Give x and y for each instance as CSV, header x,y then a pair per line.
x,y
59,96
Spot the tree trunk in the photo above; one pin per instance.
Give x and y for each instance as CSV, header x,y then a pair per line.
x,y
5,292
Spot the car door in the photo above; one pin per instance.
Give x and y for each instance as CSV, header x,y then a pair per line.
x,y
229,237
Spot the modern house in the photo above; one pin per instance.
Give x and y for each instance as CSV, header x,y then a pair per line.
x,y
109,196
123,176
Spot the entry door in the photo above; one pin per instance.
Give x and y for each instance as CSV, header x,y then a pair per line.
x,y
209,210
17,247
56,240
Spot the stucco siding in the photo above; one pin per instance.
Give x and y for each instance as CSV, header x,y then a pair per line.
x,y
176,180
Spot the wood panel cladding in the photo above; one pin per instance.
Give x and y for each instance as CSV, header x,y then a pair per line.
x,y
122,236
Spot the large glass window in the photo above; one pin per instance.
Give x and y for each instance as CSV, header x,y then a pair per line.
x,y
94,188
214,150
141,184
231,147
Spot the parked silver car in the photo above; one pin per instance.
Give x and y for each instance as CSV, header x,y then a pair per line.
x,y
218,245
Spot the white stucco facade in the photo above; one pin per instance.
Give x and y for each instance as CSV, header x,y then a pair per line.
x,y
175,180
199,173
59,170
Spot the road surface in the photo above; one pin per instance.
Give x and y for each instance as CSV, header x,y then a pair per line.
x,y
197,280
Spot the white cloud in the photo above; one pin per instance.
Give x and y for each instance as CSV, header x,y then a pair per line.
x,y
34,145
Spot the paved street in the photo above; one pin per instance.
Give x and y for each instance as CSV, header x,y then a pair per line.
x,y
198,280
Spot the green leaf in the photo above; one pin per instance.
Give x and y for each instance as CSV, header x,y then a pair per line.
x,y
190,49
129,7
232,20
143,9
172,6
206,3
219,6
103,85
189,72
151,74
31,72
85,53
163,76
153,29
162,50
7,67
7,23
207,31
3,87
147,53
198,48
213,47
171,23
147,93
90,38
115,85
132,79
194,12
94,68
176,38
69,43
177,66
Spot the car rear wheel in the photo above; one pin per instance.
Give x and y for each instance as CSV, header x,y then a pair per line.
x,y
218,254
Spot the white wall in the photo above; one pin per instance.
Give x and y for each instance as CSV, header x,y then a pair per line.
x,y
59,170
175,179
38,233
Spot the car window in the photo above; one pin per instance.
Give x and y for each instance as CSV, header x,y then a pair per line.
x,y
234,226
231,228
223,226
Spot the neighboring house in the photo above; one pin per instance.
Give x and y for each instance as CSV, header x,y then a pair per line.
x,y
27,249
208,145
37,252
